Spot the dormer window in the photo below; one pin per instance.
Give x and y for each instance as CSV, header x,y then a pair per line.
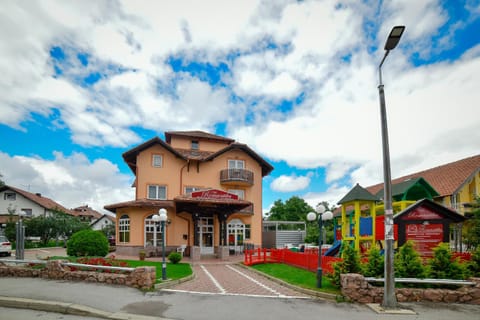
x,y
194,144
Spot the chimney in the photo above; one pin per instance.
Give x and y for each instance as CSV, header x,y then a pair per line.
x,y
38,194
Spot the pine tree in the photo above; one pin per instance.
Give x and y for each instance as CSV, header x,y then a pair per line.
x,y
442,266
374,267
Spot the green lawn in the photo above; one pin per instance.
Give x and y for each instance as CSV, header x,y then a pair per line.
x,y
296,276
174,271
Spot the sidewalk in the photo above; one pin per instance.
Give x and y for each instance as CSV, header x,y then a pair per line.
x,y
76,298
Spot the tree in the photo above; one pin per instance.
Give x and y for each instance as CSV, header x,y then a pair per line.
x,y
294,209
2,183
471,227
55,225
87,243
374,267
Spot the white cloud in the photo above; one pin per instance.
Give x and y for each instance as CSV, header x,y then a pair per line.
x,y
71,181
290,183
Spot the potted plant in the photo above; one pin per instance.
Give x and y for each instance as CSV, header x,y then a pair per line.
x,y
142,254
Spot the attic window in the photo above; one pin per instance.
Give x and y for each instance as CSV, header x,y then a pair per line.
x,y
10,196
195,145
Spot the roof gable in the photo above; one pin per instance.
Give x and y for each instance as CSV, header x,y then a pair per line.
x,y
37,198
432,208
358,193
196,134
411,189
266,167
130,156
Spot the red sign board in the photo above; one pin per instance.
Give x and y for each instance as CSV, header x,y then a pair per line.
x,y
425,237
214,194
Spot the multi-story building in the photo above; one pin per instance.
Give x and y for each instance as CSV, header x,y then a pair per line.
x,y
211,187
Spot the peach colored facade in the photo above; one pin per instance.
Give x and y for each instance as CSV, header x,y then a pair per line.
x,y
209,223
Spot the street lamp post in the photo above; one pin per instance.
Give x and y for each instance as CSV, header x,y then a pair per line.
x,y
389,299
162,217
322,215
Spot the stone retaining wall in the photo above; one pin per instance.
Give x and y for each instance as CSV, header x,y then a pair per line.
x,y
141,277
356,288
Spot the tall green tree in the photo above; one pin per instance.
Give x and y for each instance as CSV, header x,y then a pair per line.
x,y
471,227
294,209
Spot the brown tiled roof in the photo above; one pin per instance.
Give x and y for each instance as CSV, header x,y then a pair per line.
x,y
86,211
140,203
130,156
446,179
196,134
42,201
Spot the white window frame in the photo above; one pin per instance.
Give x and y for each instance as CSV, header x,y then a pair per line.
x,y
195,145
236,164
157,161
157,193
239,192
192,189
124,227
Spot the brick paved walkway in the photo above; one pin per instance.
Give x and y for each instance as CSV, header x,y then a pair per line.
x,y
231,279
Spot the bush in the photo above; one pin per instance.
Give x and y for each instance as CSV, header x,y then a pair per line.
x,y
408,263
375,266
174,257
474,264
350,263
442,266
87,243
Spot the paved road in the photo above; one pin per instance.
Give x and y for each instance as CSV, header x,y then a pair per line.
x,y
219,290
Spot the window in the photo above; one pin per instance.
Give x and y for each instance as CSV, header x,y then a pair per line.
x,y
239,192
157,192
157,161
27,212
195,145
124,229
10,196
191,189
236,164
153,232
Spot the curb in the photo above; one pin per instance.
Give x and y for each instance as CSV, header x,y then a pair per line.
x,y
68,308
312,293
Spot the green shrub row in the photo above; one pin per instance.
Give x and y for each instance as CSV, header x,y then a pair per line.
x,y
407,264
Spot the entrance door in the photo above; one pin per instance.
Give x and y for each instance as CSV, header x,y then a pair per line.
x,y
236,235
205,232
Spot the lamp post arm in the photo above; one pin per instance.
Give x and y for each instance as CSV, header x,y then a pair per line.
x,y
380,68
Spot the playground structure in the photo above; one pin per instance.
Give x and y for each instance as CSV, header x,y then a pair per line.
x,y
361,221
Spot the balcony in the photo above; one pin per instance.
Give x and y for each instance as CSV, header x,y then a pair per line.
x,y
236,177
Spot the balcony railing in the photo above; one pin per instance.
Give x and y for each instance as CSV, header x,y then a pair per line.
x,y
241,176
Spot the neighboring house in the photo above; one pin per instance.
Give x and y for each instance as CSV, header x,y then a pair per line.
x,y
102,222
211,187
457,184
25,203
86,214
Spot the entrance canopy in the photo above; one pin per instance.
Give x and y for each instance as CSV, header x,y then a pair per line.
x,y
210,201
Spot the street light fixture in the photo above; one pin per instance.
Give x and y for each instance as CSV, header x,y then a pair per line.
x,y
323,215
162,217
389,298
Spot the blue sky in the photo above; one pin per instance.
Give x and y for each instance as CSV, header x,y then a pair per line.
x,y
84,81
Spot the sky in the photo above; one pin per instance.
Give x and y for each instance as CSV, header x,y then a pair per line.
x,y
84,81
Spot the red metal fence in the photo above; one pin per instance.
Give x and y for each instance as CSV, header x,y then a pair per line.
x,y
306,260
